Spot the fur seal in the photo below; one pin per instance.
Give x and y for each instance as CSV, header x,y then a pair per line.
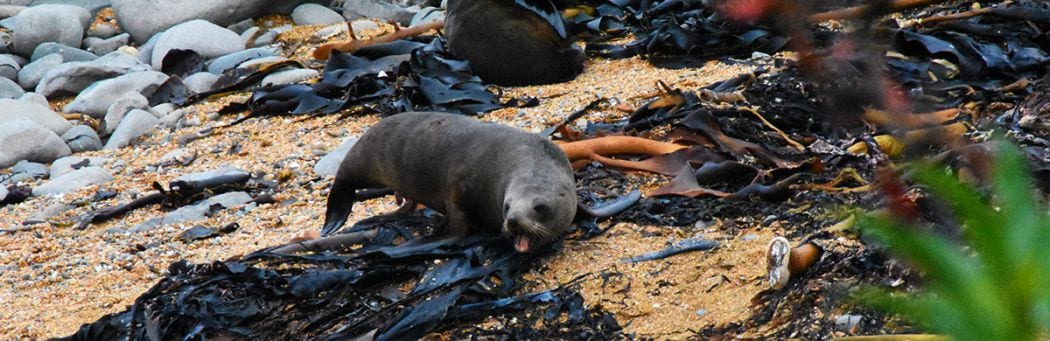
x,y
507,44
483,177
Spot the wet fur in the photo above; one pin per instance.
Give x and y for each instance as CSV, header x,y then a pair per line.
x,y
484,177
509,45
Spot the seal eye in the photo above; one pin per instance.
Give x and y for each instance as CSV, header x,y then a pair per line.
x,y
542,209
506,208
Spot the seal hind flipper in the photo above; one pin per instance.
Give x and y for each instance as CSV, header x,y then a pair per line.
x,y
339,207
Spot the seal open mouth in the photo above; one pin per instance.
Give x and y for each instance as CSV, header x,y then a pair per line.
x,y
521,243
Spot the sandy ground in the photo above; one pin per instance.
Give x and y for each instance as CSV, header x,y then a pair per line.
x,y
55,278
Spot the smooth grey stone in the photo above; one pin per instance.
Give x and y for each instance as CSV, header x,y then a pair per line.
x,y
160,110
82,139
249,34
22,3
21,61
10,89
42,115
7,10
116,111
230,61
23,139
330,31
103,46
328,165
51,211
92,6
224,171
200,82
72,78
30,75
173,118
27,170
144,18
70,164
135,124
9,67
263,60
74,181
289,77
146,49
69,54
282,28
8,23
198,211
266,39
32,97
181,156
427,15
361,25
207,39
314,14
96,99
241,26
103,30
63,24
376,9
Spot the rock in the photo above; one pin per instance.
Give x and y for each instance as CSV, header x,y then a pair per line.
x,y
330,31
103,30
7,10
249,36
69,54
11,110
96,99
63,24
376,9
427,15
70,164
328,165
92,6
116,111
74,181
10,89
25,170
82,139
71,78
241,26
144,18
35,98
51,211
160,110
22,139
30,75
263,60
230,61
845,323
198,211
21,61
181,156
200,82
136,124
314,14
205,38
146,50
288,77
103,46
225,171
363,25
266,39
173,118
9,67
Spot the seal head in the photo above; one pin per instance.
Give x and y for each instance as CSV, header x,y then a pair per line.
x,y
537,211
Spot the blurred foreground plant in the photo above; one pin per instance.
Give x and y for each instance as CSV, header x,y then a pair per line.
x,y
997,285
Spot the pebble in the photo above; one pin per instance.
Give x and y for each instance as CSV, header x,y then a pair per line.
x,y
145,54
181,156
328,165
749,237
22,139
10,89
30,75
249,34
116,111
263,60
22,61
27,170
266,39
9,67
103,46
35,98
230,61
847,322
82,139
69,54
136,124
427,15
73,78
769,220
364,25
289,77
63,24
103,30
160,110
241,26
11,110
70,164
207,39
377,9
314,14
51,211
200,82
96,99
74,181
330,31
9,9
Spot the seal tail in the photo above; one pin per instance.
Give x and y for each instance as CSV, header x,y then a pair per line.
x,y
339,207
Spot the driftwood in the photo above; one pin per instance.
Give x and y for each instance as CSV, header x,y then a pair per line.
x,y
324,51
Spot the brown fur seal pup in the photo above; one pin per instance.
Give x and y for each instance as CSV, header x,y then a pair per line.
x,y
484,177
508,44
